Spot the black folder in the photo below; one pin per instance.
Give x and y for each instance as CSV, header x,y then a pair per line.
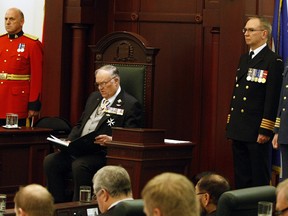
x,y
81,146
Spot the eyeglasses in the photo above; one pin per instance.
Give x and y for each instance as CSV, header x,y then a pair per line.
x,y
280,212
200,193
103,84
251,30
95,195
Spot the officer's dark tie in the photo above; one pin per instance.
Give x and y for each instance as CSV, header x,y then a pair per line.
x,y
250,55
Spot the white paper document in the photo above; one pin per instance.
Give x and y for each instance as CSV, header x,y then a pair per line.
x,y
172,141
57,140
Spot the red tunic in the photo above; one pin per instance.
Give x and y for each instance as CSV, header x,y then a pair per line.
x,y
20,56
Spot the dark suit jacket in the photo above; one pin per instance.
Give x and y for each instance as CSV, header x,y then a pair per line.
x,y
131,117
281,126
126,208
254,104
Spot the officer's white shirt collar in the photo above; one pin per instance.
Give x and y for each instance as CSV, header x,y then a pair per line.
x,y
256,51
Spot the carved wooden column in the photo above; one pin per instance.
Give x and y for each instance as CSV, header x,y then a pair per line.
x,y
77,75
78,15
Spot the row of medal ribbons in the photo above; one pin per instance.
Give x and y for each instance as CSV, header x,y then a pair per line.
x,y
257,75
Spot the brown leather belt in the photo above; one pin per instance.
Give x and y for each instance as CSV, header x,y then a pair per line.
x,y
6,76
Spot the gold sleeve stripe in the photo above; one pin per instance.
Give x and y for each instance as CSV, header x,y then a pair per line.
x,y
267,124
277,123
228,118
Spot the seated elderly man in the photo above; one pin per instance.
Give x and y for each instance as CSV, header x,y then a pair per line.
x,y
111,185
209,189
109,107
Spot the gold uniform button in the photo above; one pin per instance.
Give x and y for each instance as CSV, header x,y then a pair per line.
x,y
285,98
234,97
232,109
23,92
286,86
247,87
283,109
237,85
244,98
7,50
242,110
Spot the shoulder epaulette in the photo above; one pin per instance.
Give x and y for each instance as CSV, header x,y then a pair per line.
x,y
1,35
31,36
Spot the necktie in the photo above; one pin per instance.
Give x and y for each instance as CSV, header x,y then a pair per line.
x,y
250,55
104,103
103,107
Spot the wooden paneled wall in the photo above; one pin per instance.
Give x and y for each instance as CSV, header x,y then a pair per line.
x,y
200,43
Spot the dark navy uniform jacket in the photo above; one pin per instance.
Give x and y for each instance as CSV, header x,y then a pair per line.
x,y
281,126
255,97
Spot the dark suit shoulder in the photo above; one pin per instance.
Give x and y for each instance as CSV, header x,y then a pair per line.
x,y
94,96
110,212
268,53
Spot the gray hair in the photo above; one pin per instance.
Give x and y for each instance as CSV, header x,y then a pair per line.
x,y
110,68
265,24
114,179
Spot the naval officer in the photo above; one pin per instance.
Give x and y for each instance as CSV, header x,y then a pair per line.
x,y
253,108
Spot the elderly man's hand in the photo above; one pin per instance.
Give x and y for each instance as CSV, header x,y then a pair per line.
x,y
102,139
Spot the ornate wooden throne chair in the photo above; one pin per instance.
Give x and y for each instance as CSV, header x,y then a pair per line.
x,y
135,60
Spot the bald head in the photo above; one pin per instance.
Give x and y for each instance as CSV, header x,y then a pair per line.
x,y
14,20
34,200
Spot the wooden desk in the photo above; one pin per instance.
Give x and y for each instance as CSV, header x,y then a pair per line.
x,y
143,153
66,209
21,158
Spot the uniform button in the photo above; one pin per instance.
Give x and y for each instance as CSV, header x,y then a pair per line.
x,y
285,98
247,87
5,60
242,110
232,109
244,98
284,109
286,86
23,92
234,97
237,85
7,50
1,83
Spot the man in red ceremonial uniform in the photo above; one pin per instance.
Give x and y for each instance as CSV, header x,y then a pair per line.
x,y
20,70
